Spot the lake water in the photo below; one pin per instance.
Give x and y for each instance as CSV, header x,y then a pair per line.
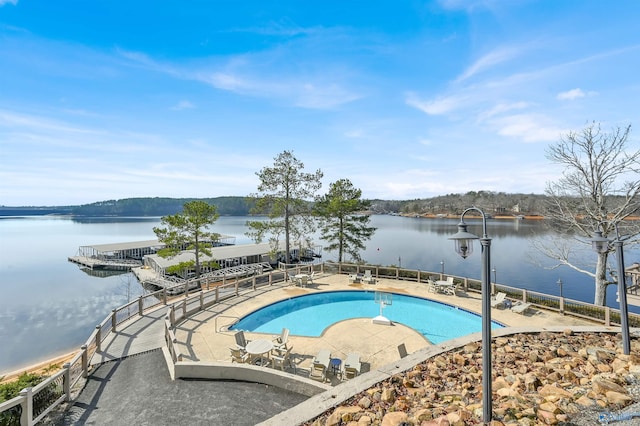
x,y
49,306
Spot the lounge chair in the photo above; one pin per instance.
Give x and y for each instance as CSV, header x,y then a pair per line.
x,y
368,278
320,365
280,342
351,366
521,308
310,279
241,342
354,278
238,355
498,300
280,359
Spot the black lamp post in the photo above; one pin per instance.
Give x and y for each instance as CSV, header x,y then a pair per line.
x,y
601,245
464,247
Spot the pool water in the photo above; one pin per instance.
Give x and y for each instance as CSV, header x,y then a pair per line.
x,y
310,315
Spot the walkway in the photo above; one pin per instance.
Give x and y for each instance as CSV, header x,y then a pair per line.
x,y
139,335
138,391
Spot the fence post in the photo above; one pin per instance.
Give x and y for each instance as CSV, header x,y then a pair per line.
x,y
140,306
524,295
217,294
562,305
270,278
85,361
67,381
114,320
253,283
164,295
466,284
27,406
201,300
98,337
607,316
184,308
236,286
172,315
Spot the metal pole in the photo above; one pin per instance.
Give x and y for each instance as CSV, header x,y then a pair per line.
x,y
442,269
486,330
560,284
622,296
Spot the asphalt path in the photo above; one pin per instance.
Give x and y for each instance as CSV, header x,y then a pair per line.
x,y
139,391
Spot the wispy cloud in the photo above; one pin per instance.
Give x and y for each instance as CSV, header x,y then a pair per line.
x,y
3,2
438,106
183,104
527,127
489,60
572,94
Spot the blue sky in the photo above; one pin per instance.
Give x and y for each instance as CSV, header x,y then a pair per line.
x,y
110,99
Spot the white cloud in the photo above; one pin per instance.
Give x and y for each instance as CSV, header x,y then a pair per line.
x,y
183,105
502,108
528,128
3,2
437,106
493,58
571,94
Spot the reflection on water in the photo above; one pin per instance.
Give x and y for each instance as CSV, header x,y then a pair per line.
x,y
50,305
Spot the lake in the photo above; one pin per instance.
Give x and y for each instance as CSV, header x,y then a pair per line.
x,y
49,306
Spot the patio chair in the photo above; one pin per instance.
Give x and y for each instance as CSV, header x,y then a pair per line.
x,y
304,280
368,278
280,359
280,342
318,372
498,300
521,308
320,365
292,278
310,279
351,366
241,341
354,278
238,355
431,285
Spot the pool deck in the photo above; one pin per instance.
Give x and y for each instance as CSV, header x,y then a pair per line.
x,y
203,337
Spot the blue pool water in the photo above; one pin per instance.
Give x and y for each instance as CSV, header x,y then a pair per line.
x,y
310,315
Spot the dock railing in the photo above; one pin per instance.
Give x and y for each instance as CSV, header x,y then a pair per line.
x,y
34,403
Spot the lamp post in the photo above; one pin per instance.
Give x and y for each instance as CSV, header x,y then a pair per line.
x,y
601,245
495,276
560,284
464,247
442,269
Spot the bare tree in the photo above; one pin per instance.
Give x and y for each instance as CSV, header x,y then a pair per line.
x,y
598,190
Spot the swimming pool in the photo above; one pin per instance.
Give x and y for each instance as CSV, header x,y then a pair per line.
x,y
310,315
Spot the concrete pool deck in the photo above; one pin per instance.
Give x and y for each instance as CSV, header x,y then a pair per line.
x,y
204,336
